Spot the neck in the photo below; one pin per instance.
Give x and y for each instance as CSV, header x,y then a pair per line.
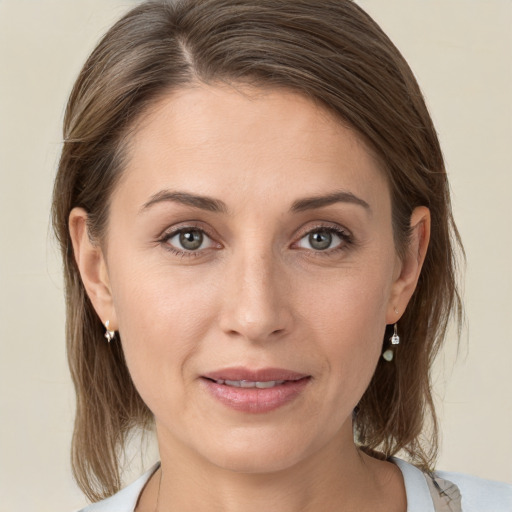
x,y
338,477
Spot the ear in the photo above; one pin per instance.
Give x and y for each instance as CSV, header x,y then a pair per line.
x,y
409,267
92,267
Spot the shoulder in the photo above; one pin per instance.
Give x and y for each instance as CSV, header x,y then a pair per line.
x,y
126,499
479,495
447,491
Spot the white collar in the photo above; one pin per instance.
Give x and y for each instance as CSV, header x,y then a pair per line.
x,y
418,494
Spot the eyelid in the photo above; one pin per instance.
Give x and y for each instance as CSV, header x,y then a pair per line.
x,y
309,228
183,226
344,234
171,232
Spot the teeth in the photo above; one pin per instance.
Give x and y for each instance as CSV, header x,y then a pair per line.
x,y
250,384
269,384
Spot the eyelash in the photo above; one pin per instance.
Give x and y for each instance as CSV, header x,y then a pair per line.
x,y
345,237
164,240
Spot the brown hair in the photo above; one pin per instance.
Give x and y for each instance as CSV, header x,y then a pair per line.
x,y
332,52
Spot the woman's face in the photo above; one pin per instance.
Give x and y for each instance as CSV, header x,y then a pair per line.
x,y
250,241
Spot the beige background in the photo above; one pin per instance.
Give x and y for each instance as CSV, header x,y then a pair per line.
x,y
461,51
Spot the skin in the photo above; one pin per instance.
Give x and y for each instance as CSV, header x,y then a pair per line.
x,y
256,294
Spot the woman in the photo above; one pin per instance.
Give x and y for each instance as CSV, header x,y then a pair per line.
x,y
259,257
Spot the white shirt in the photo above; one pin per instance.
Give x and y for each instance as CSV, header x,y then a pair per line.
x,y
478,495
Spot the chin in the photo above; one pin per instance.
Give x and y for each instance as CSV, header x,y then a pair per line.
x,y
249,462
265,452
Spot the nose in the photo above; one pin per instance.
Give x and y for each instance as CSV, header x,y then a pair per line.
x,y
257,304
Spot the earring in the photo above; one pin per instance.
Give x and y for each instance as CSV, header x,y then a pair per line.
x,y
395,340
109,335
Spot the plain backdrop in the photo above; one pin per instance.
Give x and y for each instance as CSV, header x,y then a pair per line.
x,y
461,52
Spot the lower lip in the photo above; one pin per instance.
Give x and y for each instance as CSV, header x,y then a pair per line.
x,y
255,400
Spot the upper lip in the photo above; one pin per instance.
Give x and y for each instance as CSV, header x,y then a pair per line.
x,y
254,375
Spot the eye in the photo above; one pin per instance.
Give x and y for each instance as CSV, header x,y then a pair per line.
x,y
322,239
189,239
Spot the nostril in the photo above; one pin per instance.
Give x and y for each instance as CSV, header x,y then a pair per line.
x,y
255,313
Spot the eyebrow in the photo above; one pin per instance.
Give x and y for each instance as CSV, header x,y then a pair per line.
x,y
202,202
216,206
310,203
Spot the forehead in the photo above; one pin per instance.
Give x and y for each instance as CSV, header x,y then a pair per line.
x,y
225,140
202,114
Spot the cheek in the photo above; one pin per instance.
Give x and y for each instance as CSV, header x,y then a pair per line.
x,y
348,322
156,299
350,306
163,316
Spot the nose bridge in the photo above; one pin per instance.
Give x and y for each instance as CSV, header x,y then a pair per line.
x,y
255,306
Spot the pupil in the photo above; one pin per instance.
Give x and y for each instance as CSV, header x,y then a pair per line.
x,y
320,240
191,240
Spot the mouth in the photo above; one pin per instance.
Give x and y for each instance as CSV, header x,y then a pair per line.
x,y
255,391
250,384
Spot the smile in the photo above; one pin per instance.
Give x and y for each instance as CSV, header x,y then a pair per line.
x,y
255,391
251,384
